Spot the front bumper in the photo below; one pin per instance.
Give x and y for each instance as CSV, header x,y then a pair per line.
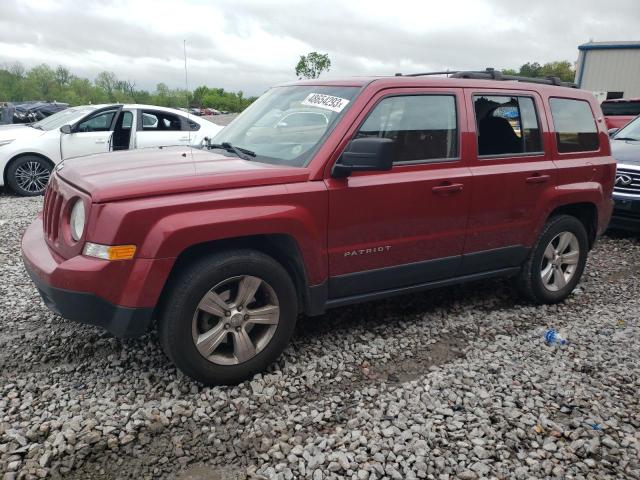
x,y
119,296
626,214
82,307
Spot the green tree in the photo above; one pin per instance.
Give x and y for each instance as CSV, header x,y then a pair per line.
x,y
312,65
107,81
561,69
44,83
63,77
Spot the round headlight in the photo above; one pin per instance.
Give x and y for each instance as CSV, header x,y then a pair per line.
x,y
77,220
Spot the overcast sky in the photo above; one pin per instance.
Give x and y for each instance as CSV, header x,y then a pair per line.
x,y
250,45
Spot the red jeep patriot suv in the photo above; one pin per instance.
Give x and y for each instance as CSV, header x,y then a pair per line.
x,y
323,194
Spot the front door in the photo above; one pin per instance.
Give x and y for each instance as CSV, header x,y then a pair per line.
x,y
90,135
405,226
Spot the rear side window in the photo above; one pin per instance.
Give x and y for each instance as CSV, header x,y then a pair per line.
x,y
160,121
506,125
611,109
574,125
423,127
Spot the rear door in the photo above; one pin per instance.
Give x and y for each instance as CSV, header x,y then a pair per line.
x,y
512,173
157,128
405,226
90,135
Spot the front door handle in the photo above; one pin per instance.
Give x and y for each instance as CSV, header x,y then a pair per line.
x,y
184,139
537,178
446,188
101,140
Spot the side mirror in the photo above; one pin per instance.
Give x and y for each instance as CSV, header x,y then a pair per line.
x,y
66,129
613,131
364,154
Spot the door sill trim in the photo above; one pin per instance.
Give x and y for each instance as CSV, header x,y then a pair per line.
x,y
339,302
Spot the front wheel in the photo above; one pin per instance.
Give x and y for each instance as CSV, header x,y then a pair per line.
x,y
556,262
29,175
228,316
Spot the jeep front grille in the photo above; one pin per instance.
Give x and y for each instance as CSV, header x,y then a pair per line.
x,y
51,212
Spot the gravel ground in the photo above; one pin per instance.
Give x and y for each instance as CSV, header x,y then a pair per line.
x,y
453,383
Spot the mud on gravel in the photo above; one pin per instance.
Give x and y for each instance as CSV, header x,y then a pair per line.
x,y
452,383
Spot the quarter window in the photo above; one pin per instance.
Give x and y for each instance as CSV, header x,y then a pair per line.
x,y
574,125
423,127
506,125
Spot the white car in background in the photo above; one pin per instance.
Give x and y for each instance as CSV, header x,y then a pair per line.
x,y
28,153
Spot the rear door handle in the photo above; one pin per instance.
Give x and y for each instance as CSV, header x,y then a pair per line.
x,y
184,139
447,188
538,179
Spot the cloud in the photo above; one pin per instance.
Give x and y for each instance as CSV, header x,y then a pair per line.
x,y
249,45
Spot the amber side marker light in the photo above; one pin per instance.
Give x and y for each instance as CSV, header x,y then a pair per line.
x,y
109,252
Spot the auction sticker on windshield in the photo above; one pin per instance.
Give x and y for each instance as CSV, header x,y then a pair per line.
x,y
328,102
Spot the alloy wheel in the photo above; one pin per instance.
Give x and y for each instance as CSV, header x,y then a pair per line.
x,y
560,261
235,320
32,177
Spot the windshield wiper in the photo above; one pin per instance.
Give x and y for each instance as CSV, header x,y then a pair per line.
x,y
626,138
243,153
33,125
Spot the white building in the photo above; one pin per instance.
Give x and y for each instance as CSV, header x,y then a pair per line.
x,y
609,69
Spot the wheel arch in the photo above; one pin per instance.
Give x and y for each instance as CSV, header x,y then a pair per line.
x,y
586,212
281,247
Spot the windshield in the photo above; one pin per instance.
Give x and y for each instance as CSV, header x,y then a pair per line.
x,y
631,131
287,124
68,116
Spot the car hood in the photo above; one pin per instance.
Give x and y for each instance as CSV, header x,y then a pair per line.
x,y
162,171
625,151
19,132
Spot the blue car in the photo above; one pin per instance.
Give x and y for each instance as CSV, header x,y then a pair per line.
x,y
625,148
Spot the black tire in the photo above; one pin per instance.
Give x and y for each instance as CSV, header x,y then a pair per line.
x,y
530,283
189,286
29,163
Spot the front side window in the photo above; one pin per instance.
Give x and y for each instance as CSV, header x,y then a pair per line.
x,y
506,125
98,123
423,127
574,124
160,121
287,124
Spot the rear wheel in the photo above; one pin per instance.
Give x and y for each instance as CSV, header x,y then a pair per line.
x,y
28,175
228,316
556,262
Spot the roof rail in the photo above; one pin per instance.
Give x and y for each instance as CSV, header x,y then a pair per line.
x,y
493,74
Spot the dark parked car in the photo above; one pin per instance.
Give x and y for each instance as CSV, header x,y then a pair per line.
x,y
29,112
625,148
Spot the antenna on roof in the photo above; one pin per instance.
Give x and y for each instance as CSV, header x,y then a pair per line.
x,y
186,84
